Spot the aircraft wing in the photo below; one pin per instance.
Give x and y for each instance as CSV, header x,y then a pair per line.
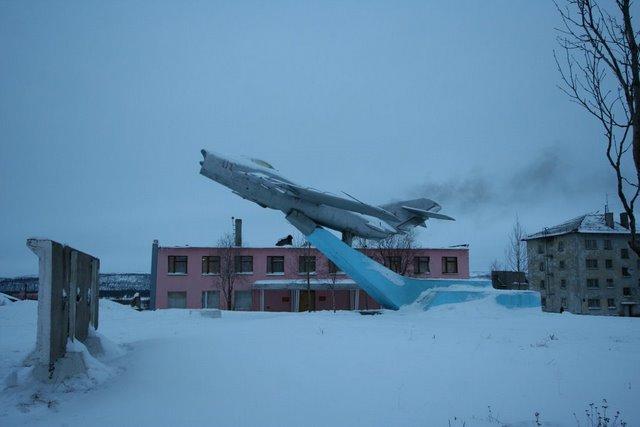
x,y
322,198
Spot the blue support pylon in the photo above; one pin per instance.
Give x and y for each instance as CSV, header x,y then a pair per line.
x,y
392,290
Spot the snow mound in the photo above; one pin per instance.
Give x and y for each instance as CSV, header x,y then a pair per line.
x,y
83,368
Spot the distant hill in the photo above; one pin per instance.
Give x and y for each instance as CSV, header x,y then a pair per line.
x,y
138,282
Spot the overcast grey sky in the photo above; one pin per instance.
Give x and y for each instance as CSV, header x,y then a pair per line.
x,y
104,107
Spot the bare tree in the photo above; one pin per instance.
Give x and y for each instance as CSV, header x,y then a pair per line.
x,y
394,252
306,264
516,251
600,71
228,278
332,273
495,265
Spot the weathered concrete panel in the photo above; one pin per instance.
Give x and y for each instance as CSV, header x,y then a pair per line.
x,y
67,297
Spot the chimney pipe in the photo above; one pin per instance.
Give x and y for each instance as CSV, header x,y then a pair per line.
x,y
624,219
608,219
238,232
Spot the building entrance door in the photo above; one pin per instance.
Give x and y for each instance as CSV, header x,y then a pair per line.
x,y
304,300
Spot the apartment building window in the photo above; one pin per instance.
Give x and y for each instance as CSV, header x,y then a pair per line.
x,y
242,300
210,265
563,283
543,302
624,253
611,303
607,245
541,266
593,303
592,264
243,264
625,272
421,265
591,244
592,283
394,263
560,246
541,284
450,264
306,264
626,292
333,268
561,264
275,265
608,263
177,299
540,248
177,264
211,299
563,302
609,283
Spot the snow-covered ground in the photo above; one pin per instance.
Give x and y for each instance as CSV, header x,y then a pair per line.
x,y
472,364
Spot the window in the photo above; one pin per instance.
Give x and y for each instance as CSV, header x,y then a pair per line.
x,y
592,283
563,302
608,263
543,301
563,283
541,266
275,265
450,264
177,299
242,300
611,303
625,272
626,292
592,264
561,264
591,244
607,245
421,265
210,265
210,299
540,248
243,264
334,269
541,284
609,283
306,264
593,303
177,264
624,253
560,246
394,263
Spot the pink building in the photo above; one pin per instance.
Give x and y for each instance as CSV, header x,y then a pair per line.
x,y
275,278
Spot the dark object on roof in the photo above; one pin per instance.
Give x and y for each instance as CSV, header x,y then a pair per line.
x,y
286,241
509,280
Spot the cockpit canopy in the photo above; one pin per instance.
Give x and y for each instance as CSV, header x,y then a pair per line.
x,y
262,163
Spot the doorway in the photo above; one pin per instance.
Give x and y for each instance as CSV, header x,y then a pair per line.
x,y
304,300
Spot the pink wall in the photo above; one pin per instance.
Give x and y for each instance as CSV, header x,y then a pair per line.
x,y
194,282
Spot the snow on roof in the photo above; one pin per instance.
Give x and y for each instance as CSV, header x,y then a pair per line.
x,y
588,223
